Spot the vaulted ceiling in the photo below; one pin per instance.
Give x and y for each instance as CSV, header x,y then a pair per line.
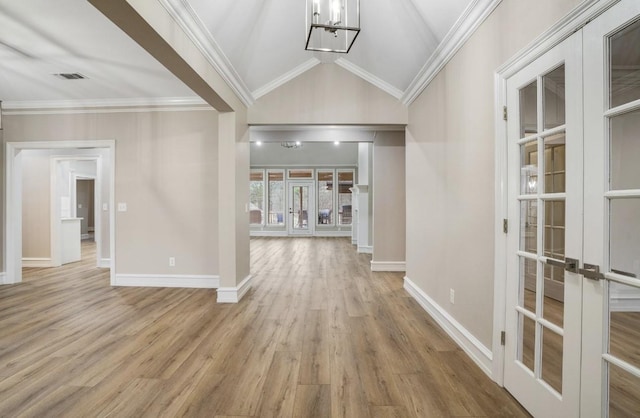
x,y
257,44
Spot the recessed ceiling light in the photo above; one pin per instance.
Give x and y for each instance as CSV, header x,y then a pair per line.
x,y
258,143
336,142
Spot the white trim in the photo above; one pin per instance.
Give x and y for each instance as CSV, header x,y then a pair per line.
x,y
365,249
102,105
354,241
367,76
104,263
331,233
3,278
480,354
388,266
84,236
578,17
234,294
285,78
167,280
465,26
586,11
184,15
266,233
37,262
13,202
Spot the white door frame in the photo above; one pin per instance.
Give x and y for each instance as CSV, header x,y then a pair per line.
x,y
311,212
578,17
13,201
56,254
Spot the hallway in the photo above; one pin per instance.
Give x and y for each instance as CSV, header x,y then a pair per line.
x,y
318,335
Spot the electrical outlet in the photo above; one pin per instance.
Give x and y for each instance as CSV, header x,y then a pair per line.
x,y
452,296
172,261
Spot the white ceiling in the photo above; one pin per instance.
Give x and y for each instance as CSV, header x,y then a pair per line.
x,y
259,44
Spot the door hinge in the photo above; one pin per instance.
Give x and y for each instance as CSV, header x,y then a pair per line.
x,y
503,337
504,112
505,226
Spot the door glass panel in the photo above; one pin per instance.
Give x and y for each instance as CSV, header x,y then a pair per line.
x,y
554,163
526,342
624,323
624,393
528,284
300,207
625,151
625,65
554,229
553,301
553,99
529,170
529,110
624,239
552,359
529,226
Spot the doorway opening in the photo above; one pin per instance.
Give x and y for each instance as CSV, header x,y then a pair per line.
x,y
62,163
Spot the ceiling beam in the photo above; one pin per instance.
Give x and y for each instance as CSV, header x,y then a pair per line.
x,y
203,81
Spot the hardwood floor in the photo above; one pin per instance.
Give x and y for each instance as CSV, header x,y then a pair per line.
x,y
319,335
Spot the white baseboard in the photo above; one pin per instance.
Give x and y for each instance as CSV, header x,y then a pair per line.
x,y
321,233
37,262
478,352
388,266
354,241
85,236
105,263
165,280
262,233
365,249
234,294
3,278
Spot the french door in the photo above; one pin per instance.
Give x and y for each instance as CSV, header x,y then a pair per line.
x,y
301,208
573,287
545,200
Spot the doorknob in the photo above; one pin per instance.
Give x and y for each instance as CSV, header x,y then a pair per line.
x,y
570,264
591,271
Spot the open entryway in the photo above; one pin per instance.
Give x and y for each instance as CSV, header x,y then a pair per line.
x,y
573,249
46,230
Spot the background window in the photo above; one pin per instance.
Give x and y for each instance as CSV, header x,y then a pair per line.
x,y
276,197
256,197
345,182
325,197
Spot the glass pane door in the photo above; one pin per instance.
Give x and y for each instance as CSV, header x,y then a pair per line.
x,y
611,334
543,301
301,208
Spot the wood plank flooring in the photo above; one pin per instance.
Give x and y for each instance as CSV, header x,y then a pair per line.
x,y
319,335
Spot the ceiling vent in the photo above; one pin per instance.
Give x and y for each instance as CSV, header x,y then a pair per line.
x,y
70,76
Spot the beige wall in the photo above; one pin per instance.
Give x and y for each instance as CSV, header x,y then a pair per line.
x,y
166,172
389,222
36,205
450,166
327,94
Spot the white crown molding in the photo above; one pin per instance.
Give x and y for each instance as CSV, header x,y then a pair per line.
x,y
234,294
465,26
103,105
184,15
274,84
367,76
166,280
478,352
